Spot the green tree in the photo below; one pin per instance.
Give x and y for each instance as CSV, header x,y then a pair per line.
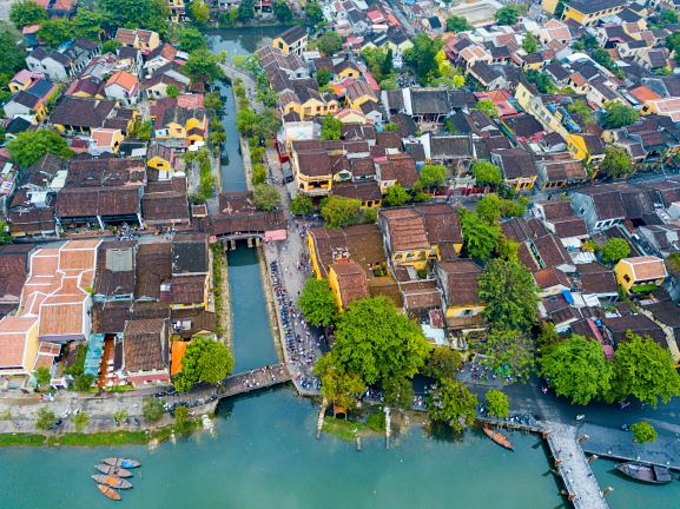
x,y
80,421
55,32
200,12
317,303
643,432
422,56
668,17
581,108
486,173
369,216
615,249
172,91
497,404
83,382
259,174
673,41
530,43
331,128
509,293
480,237
245,10
152,410
618,115
644,370
508,15
149,14
88,23
301,205
387,65
266,197
46,419
432,176
330,43
313,15
507,249
42,376
342,388
120,416
26,12
457,24
616,162
398,393
110,46
191,39
577,369
5,235
376,341
323,77
204,361
203,65
213,102
396,196
488,107
338,211
282,12
13,51
542,80
489,208
181,417
442,363
451,403
509,351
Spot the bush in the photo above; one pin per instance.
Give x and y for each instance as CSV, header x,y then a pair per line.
x,y
152,410
83,382
376,422
81,421
259,174
643,432
46,419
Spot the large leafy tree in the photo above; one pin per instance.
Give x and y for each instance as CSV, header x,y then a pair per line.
x,y
577,369
490,207
643,432
508,15
376,341
341,387
480,237
313,15
266,197
204,65
488,107
301,205
509,293
615,249
497,404
422,56
13,52
457,24
149,14
317,303
530,43
331,128
396,196
26,12
432,176
644,370
486,173
450,402
55,32
28,147
338,211
616,162
245,10
282,11
330,43
191,39
398,392
442,363
510,351
200,12
618,115
205,361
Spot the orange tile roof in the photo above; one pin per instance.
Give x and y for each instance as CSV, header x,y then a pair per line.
x,y
646,268
13,332
644,93
124,79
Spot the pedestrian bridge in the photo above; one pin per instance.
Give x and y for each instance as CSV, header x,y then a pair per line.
x,y
254,380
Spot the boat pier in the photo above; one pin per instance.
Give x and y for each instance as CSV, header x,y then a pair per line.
x,y
582,488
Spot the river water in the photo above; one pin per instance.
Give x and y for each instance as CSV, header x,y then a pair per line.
x,y
264,454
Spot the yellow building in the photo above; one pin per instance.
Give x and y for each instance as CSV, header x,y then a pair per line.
x,y
589,12
160,157
549,6
293,40
640,273
311,105
189,124
586,147
345,70
459,282
19,340
348,282
359,93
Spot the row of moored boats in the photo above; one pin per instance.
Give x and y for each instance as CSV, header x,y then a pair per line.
x,y
113,476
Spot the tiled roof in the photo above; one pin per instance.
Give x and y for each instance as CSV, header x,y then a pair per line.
x,y
352,281
646,268
145,345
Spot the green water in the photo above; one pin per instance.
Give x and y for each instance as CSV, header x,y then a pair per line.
x,y
264,455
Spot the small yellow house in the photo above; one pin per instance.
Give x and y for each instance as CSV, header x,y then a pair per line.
x,y
459,282
640,273
107,140
19,341
358,93
293,40
345,70
586,147
189,124
348,282
589,12
160,157
312,171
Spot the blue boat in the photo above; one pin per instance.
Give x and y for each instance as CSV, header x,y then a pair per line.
x,y
122,462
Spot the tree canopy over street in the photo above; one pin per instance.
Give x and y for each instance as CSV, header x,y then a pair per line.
x,y
377,342
451,403
486,173
509,352
577,369
317,303
341,387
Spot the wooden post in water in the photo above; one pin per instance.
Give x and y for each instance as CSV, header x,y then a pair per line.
x,y
320,419
388,427
358,444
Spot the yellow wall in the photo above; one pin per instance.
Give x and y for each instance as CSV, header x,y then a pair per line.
x,y
159,163
335,287
588,19
522,184
349,72
280,44
14,87
313,256
356,104
549,6
32,346
463,311
577,147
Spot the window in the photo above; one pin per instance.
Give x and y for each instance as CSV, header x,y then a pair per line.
x,y
626,278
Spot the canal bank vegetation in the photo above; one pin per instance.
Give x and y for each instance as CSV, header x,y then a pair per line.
x,y
221,294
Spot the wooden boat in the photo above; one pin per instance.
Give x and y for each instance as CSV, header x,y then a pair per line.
x,y
109,470
498,438
112,481
645,473
109,493
122,462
